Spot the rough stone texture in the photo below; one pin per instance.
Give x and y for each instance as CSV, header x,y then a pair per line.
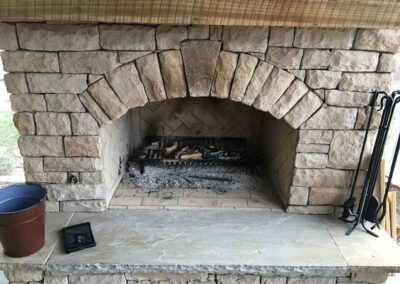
x,y
312,148
245,39
92,78
54,177
315,59
300,74
287,58
150,74
273,280
64,103
38,146
365,82
8,37
311,160
24,274
30,61
56,83
315,136
84,124
84,206
378,39
324,38
24,122
346,148
317,79
16,83
298,195
362,118
49,123
33,165
321,178
347,99
350,60
263,70
170,37
200,59
126,83
333,118
312,280
370,276
239,279
244,72
127,37
303,110
173,74
52,207
94,108
388,62
276,84
66,192
199,32
72,164
82,146
259,55
128,56
327,196
224,73
94,62
91,178
289,98
107,99
55,280
281,36
215,32
28,103
58,37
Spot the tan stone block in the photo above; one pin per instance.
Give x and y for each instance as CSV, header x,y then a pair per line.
x,y
365,82
173,74
224,73
56,83
8,39
64,103
215,32
347,99
94,62
332,118
378,39
200,59
93,108
317,79
388,62
311,161
126,83
72,164
199,32
281,36
128,56
245,39
324,38
30,61
28,103
263,70
16,83
303,110
274,87
315,59
244,72
150,74
50,123
33,165
321,178
24,122
315,136
298,195
84,124
127,37
285,57
351,60
102,93
82,146
53,177
328,196
58,37
170,37
39,146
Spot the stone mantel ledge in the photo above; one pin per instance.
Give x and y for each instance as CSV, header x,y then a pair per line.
x,y
244,243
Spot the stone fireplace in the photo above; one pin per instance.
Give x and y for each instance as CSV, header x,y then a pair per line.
x,y
86,96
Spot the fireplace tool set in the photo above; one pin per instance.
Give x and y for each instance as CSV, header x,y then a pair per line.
x,y
369,207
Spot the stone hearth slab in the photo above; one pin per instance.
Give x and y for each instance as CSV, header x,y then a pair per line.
x,y
54,223
222,242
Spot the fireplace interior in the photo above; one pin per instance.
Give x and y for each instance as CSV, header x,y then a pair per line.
x,y
197,153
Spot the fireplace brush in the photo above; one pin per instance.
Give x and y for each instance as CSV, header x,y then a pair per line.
x,y
369,206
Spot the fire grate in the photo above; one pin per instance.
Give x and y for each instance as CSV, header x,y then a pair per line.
x,y
179,151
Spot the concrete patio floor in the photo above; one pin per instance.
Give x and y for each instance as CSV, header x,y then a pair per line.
x,y
214,242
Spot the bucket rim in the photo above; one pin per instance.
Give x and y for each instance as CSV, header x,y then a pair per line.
x,y
40,201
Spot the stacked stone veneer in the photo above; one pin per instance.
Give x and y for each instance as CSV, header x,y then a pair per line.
x,y
69,82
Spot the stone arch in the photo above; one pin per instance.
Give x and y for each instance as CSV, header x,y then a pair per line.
x,y
201,69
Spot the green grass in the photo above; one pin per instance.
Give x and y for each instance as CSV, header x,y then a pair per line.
x,y
8,133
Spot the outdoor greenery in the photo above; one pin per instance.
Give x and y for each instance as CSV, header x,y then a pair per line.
x,y
8,133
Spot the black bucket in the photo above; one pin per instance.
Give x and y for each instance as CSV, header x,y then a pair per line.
x,y
22,219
